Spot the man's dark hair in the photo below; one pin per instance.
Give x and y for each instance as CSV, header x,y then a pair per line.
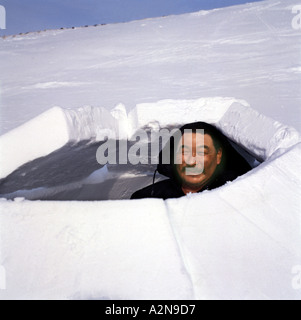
x,y
216,136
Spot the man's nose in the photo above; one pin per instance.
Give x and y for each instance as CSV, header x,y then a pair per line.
x,y
190,160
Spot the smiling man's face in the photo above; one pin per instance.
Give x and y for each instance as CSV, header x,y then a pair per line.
x,y
198,160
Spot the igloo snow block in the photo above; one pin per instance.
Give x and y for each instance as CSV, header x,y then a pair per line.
x,y
90,250
243,241
34,139
55,128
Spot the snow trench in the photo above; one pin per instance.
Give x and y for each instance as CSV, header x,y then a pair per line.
x,y
53,156
241,241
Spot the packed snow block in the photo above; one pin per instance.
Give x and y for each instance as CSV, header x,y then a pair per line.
x,y
97,123
243,241
90,250
261,136
167,113
235,118
56,127
34,139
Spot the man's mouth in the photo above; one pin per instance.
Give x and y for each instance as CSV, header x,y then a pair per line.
x,y
193,171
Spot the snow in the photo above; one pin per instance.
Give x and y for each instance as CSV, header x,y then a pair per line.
x,y
34,139
244,126
179,112
249,52
244,246
112,251
241,241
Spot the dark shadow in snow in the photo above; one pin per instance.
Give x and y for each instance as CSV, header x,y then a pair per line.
x,y
66,165
61,176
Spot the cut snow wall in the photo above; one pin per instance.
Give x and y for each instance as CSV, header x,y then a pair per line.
x,y
259,135
55,128
241,241
165,113
34,139
96,250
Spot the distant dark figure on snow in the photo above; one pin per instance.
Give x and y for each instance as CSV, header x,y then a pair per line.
x,y
201,158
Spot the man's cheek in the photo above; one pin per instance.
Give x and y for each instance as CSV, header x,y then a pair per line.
x,y
206,162
180,169
179,160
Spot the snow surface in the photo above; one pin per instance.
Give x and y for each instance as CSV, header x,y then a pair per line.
x,y
250,52
240,241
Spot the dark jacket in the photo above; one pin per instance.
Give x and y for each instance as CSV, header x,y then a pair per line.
x,y
232,166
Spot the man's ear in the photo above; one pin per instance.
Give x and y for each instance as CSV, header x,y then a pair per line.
x,y
219,156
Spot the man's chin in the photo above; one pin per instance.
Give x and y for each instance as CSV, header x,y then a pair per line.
x,y
195,181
